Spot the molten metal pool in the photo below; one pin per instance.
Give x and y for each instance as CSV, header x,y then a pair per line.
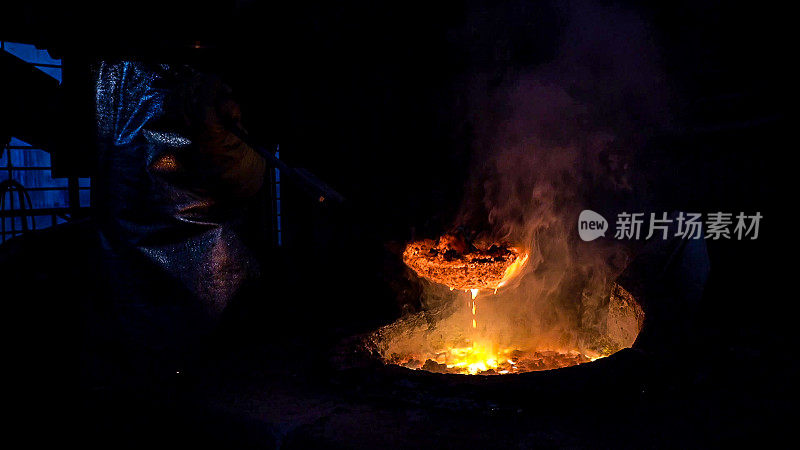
x,y
480,331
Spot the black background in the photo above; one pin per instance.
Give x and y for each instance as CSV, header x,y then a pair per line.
x,y
366,96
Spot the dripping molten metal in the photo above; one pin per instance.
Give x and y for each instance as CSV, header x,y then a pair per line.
x,y
461,346
473,271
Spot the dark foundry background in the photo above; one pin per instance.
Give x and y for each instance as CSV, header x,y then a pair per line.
x,y
370,97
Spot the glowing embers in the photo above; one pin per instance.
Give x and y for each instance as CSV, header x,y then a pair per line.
x,y
457,268
461,337
477,355
476,359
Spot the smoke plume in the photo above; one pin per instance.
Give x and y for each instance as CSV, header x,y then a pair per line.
x,y
551,141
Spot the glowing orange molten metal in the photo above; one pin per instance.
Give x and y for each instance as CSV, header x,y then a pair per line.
x,y
468,344
468,271
478,359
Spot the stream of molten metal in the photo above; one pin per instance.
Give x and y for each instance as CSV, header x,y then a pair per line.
x,y
512,270
477,354
481,357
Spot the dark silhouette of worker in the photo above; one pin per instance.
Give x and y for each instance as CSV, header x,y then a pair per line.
x,y
138,288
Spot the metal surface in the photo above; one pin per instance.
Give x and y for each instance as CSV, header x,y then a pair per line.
x,y
167,186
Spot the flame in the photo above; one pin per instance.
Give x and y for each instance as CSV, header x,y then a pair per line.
x,y
486,359
474,359
469,351
513,269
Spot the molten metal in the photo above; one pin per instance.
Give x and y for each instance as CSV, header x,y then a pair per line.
x,y
460,349
452,348
476,359
467,271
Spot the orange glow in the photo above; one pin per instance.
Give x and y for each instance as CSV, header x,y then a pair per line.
x,y
462,348
471,270
470,351
513,269
478,358
166,163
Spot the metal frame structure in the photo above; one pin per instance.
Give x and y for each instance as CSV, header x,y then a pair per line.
x,y
14,218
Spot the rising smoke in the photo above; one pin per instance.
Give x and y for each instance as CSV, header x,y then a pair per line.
x,y
550,141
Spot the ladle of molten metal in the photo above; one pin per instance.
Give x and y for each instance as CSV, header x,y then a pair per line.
x,y
461,349
455,267
452,262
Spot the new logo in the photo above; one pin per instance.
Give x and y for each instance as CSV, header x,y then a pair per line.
x,y
591,225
